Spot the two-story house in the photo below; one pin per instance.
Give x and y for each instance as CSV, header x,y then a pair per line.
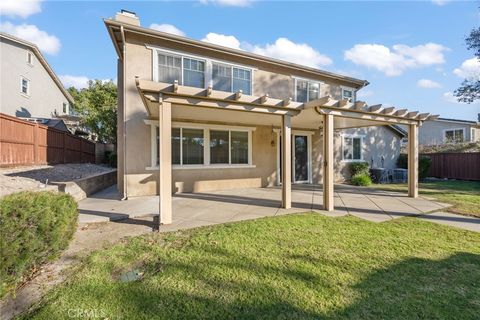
x,y
195,116
29,87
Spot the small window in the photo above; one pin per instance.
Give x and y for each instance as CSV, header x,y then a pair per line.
x,y
347,95
242,80
352,148
221,77
231,79
25,86
169,68
454,136
29,58
65,108
307,90
193,73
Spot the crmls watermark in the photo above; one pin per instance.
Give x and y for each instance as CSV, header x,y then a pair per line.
x,y
86,313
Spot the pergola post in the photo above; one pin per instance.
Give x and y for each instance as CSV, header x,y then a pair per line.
x,y
165,163
328,203
286,162
413,160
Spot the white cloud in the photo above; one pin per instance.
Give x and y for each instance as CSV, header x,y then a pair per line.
x,y
222,40
362,94
440,2
395,61
428,84
229,3
19,8
287,50
282,49
29,32
470,69
426,54
167,28
78,82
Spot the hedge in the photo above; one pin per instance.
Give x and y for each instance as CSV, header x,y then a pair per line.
x,y
34,228
424,163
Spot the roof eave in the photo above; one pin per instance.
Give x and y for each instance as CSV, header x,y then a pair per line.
x,y
158,34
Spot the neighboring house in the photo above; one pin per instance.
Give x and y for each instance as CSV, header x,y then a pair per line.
x,y
29,87
195,117
441,131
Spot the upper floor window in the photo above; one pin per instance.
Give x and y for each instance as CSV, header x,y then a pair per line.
x,y
169,68
306,90
65,108
24,86
454,135
29,58
352,148
193,73
231,79
347,94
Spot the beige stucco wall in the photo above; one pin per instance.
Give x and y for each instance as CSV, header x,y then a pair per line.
x,y
140,180
432,132
45,96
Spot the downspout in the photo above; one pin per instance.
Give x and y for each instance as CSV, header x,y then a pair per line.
x,y
124,49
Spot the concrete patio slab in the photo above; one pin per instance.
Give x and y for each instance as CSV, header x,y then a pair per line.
x,y
454,220
198,209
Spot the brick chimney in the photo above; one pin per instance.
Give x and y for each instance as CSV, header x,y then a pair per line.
x,y
127,17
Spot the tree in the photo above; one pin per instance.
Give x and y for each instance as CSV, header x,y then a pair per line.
x,y
469,90
96,105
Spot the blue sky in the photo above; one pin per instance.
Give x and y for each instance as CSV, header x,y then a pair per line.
x,y
413,53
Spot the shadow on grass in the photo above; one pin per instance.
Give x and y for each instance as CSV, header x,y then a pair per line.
x,y
420,289
210,288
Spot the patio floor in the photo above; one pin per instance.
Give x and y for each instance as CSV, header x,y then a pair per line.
x,y
199,209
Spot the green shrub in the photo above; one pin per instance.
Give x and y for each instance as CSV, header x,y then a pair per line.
x,y
34,228
359,168
361,179
424,163
111,158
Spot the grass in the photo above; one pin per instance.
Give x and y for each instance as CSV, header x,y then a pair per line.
x,y
302,266
463,195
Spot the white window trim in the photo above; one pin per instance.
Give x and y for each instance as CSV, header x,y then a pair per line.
x,y
362,146
320,83
230,65
309,135
453,129
30,53
354,92
206,150
208,78
28,86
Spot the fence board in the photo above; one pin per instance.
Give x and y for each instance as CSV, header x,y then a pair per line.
x,y
26,143
462,166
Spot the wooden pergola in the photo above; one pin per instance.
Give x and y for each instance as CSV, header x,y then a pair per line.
x,y
159,97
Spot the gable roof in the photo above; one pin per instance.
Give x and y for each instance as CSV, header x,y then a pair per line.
x,y
458,121
33,47
115,28
398,130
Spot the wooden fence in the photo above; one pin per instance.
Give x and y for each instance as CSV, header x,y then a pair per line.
x,y
27,143
462,166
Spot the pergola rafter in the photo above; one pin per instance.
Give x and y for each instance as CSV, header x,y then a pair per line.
x,y
159,98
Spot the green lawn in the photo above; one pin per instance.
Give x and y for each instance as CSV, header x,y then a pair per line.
x,y
302,266
463,195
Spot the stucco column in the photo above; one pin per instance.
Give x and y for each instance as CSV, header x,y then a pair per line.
x,y
413,160
286,162
328,203
165,163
